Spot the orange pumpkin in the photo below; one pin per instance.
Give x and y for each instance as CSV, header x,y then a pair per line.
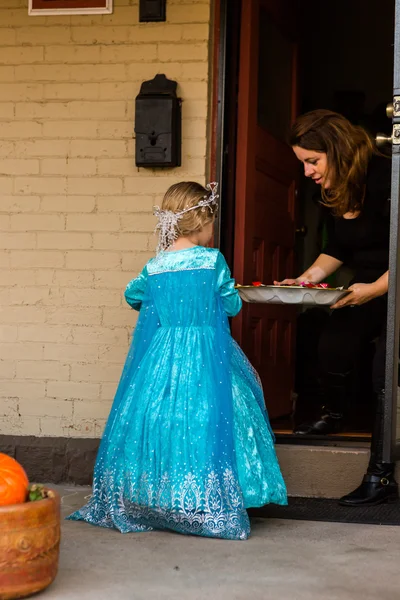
x,y
13,481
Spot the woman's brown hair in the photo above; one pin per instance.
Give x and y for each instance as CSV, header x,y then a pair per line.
x,y
349,149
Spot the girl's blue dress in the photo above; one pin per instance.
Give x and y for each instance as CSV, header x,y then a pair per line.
x,y
187,446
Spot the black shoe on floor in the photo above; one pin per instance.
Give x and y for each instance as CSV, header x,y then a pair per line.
x,y
374,489
326,425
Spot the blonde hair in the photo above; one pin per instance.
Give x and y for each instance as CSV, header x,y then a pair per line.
x,y
185,195
349,149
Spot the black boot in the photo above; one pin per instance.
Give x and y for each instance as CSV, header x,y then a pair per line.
x,y
331,420
378,485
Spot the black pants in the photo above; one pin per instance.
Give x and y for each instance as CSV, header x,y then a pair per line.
x,y
346,336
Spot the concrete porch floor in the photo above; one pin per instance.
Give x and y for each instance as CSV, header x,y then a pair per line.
x,y
289,560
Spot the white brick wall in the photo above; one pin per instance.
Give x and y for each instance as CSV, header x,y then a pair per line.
x,y
75,213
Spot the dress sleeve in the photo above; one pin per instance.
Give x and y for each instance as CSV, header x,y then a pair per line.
x,y
135,290
226,288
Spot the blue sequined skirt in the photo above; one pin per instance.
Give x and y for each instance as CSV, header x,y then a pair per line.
x,y
188,446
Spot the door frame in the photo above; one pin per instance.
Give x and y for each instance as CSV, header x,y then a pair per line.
x,y
222,170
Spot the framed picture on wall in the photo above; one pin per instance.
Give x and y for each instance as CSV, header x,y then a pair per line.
x,y
70,7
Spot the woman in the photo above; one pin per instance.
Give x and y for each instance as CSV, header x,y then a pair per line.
x,y
355,186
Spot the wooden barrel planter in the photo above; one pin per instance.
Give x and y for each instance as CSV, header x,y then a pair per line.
x,y
29,546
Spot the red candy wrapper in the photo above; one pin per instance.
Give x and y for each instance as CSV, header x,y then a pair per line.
x,y
256,283
322,286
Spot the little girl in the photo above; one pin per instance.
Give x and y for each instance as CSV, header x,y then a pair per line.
x,y
187,446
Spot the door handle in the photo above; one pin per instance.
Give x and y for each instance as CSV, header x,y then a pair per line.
x,y
302,231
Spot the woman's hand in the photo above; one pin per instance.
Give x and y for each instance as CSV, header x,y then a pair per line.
x,y
287,282
360,293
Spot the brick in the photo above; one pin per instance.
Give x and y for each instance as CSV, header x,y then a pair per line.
x,y
70,352
108,391
112,354
69,390
44,333
148,185
95,372
42,370
4,222
100,35
100,335
7,74
8,36
109,148
194,90
15,166
41,35
37,222
139,72
20,91
86,410
126,317
22,389
69,129
93,223
20,425
195,109
66,316
92,260
191,13
96,72
7,369
55,426
128,53
6,185
6,110
196,32
194,128
87,297
8,408
4,259
42,148
21,204
74,278
70,91
10,241
29,295
20,55
72,54
46,408
134,262
110,280
118,91
114,129
43,277
139,222
66,204
20,351
194,71
64,241
25,314
6,148
40,185
120,241
155,32
20,18
125,204
8,333
97,110
36,259
17,277
95,185
49,73
116,166
64,166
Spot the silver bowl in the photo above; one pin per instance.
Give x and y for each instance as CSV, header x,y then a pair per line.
x,y
277,294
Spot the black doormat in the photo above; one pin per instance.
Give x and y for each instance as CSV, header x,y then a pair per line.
x,y
319,509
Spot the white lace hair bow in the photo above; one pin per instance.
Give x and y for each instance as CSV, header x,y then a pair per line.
x,y
167,226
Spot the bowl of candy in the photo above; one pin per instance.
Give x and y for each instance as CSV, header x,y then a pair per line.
x,y
312,294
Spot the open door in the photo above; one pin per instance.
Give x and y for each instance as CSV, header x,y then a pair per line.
x,y
266,177
391,438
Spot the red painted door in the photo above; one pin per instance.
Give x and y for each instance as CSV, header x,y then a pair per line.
x,y
266,177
